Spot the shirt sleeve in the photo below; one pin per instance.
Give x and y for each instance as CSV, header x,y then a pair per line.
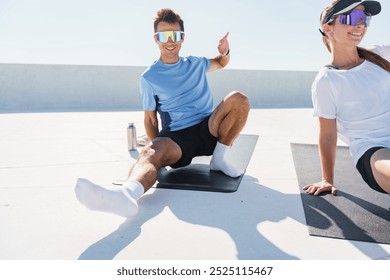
x,y
202,61
207,63
147,95
323,99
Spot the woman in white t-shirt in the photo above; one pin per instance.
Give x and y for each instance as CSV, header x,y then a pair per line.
x,y
351,96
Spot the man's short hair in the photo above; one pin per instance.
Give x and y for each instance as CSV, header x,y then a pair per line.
x,y
169,16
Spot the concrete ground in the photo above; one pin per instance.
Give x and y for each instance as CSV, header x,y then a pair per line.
x,y
43,154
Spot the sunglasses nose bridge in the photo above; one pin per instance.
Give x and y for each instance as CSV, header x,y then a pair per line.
x,y
362,21
170,39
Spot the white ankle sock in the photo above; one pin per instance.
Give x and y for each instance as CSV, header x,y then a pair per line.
x,y
218,161
120,200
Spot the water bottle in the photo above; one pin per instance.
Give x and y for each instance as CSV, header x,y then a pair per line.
x,y
131,137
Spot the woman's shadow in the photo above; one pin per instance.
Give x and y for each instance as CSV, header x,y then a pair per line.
x,y
237,214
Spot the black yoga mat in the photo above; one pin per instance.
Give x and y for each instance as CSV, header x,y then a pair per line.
x,y
356,213
198,176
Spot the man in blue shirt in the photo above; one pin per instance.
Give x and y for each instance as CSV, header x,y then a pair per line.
x,y
176,88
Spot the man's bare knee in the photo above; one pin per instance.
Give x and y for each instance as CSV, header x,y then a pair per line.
x,y
161,152
239,100
147,153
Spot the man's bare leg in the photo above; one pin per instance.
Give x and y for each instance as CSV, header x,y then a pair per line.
x,y
122,200
226,122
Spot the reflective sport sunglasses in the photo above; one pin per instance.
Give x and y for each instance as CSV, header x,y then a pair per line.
x,y
354,18
163,37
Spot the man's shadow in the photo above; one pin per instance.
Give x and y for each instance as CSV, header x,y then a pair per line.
x,y
250,206
238,215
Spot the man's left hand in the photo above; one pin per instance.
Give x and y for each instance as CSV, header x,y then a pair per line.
x,y
223,46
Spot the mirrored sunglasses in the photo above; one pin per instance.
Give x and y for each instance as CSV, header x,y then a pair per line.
x,y
163,37
355,17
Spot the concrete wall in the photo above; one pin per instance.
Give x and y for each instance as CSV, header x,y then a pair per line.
x,y
33,87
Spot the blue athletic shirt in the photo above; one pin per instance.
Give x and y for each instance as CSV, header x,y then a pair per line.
x,y
179,92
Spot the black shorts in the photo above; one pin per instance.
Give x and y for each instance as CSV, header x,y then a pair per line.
x,y
194,141
364,168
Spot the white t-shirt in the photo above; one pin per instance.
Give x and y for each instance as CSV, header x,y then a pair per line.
x,y
359,100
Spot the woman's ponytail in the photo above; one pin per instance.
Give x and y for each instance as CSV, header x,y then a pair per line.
x,y
374,58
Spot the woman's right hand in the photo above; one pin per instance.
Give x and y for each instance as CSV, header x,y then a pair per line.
x,y
319,187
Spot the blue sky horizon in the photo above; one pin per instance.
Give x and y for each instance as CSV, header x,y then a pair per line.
x,y
264,35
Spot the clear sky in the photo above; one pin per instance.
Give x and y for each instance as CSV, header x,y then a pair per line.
x,y
270,35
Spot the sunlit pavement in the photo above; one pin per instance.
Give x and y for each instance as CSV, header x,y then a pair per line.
x,y
43,154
